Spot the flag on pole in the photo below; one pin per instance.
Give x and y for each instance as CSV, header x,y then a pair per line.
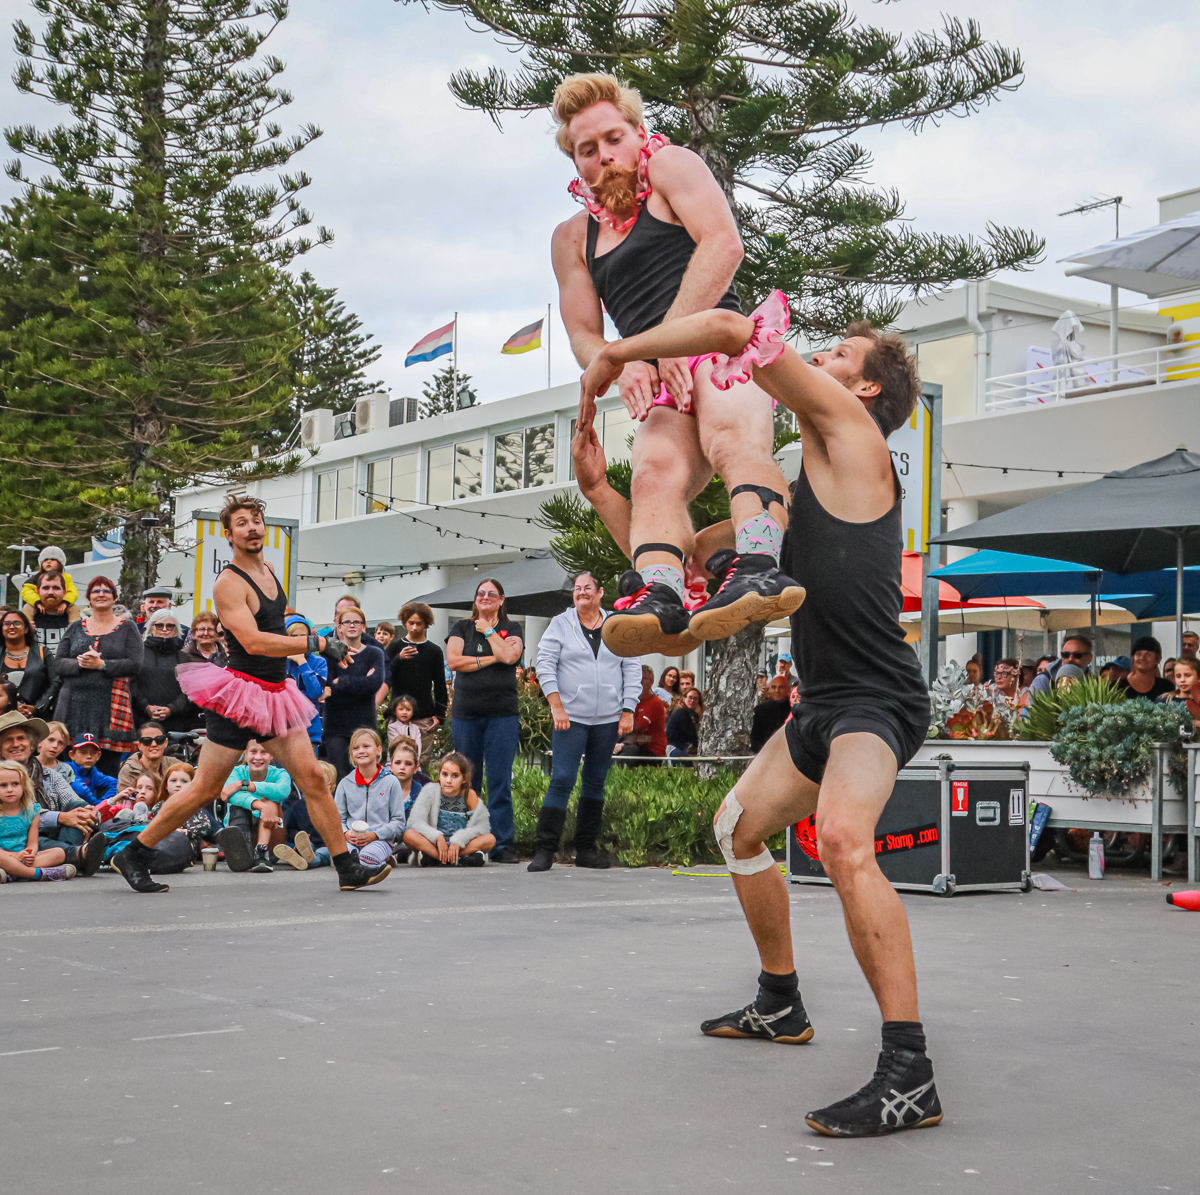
x,y
527,339
436,344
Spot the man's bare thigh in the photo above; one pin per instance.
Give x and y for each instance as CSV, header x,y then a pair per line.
x,y
667,433
744,411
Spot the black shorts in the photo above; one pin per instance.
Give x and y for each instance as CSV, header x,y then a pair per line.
x,y
813,728
225,733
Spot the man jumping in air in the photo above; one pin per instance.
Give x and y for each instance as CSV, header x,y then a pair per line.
x,y
659,241
251,699
865,709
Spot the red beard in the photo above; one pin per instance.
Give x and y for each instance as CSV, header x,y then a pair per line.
x,y
616,190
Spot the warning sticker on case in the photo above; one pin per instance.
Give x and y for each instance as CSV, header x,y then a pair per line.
x,y
959,803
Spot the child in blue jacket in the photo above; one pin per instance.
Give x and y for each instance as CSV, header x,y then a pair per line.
x,y
310,673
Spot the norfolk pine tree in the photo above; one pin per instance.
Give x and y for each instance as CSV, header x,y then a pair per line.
x,y
449,390
770,94
146,329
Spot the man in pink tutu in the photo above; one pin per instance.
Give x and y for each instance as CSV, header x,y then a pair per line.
x,y
865,709
252,698
658,241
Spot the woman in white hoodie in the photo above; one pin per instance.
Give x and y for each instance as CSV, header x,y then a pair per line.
x,y
592,695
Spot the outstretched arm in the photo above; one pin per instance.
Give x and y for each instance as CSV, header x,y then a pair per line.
x,y
615,512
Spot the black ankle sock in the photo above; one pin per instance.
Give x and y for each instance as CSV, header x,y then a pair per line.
x,y
776,991
904,1035
344,860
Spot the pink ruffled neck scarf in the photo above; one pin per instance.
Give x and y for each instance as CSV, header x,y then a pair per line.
x,y
579,190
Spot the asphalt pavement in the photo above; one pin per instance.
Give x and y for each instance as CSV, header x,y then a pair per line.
x,y
489,1030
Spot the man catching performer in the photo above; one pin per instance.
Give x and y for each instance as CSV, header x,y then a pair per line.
x,y
865,709
658,241
251,699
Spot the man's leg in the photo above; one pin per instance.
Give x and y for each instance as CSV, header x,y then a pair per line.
x,y
669,470
858,780
736,428
294,753
213,768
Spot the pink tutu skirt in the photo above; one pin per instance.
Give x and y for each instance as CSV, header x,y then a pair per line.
x,y
271,708
771,319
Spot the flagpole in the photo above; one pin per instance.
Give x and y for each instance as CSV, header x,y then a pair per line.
x,y
547,346
454,365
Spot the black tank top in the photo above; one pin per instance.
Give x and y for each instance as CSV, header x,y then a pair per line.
x,y
269,620
846,639
639,279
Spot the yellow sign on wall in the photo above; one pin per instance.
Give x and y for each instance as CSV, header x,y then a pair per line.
x,y
909,445
214,553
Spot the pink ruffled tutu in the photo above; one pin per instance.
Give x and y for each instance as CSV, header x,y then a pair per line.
x,y
771,320
273,708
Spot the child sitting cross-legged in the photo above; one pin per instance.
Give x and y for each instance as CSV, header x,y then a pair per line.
x,y
370,801
449,824
256,790
20,858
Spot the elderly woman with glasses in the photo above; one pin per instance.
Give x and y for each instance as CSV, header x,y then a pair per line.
x,y
482,652
97,661
157,696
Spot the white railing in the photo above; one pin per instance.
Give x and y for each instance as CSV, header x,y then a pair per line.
x,y
1097,375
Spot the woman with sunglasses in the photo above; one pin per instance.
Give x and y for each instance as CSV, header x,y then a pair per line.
x,y
483,652
157,696
97,660
22,663
148,759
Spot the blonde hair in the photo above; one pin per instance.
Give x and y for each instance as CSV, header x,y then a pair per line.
x,y
11,765
58,728
337,618
576,93
329,772
365,732
404,743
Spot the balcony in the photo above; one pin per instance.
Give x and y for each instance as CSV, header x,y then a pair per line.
x,y
1093,376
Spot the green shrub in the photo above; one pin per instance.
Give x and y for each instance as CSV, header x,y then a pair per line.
x,y
1045,710
651,815
536,722
1109,749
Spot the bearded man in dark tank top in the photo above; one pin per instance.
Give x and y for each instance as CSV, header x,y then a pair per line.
x,y
658,241
865,708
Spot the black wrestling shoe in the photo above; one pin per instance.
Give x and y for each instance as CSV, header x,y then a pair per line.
x,y
262,860
354,874
424,860
233,844
900,1095
134,864
91,855
647,618
472,859
787,1027
753,589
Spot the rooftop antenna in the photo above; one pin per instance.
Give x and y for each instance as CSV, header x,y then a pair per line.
x,y
1093,205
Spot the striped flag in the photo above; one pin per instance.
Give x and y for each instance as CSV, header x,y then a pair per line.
x,y
527,339
439,342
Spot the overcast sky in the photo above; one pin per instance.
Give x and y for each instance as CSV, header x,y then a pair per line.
x,y
435,211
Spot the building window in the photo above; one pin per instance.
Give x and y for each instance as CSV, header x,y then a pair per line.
x,y
524,459
614,435
392,482
441,474
468,469
335,494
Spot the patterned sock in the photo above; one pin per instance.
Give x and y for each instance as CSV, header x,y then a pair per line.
x,y
664,574
760,535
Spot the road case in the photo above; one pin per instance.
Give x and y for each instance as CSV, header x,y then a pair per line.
x,y
947,827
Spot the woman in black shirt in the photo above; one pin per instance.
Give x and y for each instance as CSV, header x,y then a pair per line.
x,y
482,651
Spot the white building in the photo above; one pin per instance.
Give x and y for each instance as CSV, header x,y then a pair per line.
x,y
395,508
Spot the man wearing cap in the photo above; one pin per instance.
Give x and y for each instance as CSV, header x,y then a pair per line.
x,y
90,783
160,598
66,820
1117,669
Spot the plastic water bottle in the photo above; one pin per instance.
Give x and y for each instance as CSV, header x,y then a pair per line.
x,y
1096,857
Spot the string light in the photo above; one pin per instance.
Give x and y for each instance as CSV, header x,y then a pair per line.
x,y
444,531
1025,469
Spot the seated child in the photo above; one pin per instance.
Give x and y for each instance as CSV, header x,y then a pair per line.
x,y
88,781
203,825
449,823
304,847
400,722
143,791
370,795
51,560
20,858
256,790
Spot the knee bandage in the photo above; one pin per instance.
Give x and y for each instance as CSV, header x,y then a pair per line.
x,y
723,826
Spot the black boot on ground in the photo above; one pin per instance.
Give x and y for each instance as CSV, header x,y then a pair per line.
x,y
900,1095
354,874
648,618
90,855
752,590
587,836
235,846
549,831
134,864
